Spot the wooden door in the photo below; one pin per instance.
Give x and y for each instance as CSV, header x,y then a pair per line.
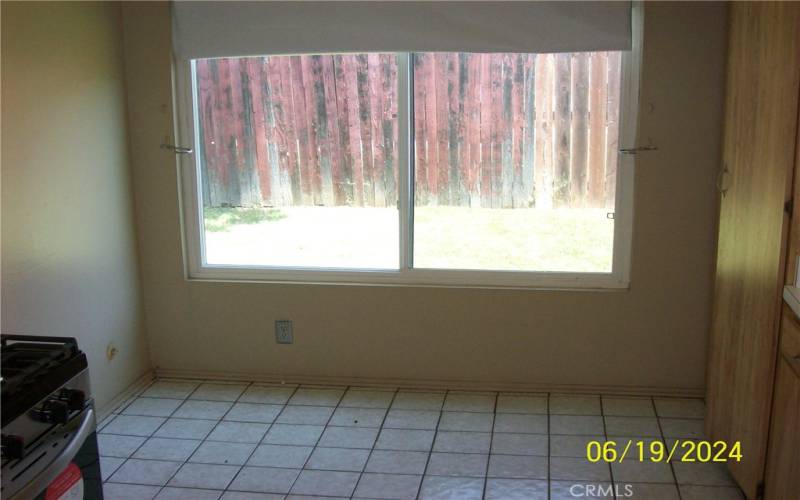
x,y
758,156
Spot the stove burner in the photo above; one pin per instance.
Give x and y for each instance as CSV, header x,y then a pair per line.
x,y
24,358
32,367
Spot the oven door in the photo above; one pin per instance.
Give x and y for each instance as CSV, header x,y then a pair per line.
x,y
74,473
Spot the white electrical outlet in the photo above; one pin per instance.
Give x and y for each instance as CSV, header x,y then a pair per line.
x,y
283,331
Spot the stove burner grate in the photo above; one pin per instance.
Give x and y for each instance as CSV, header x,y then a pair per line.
x,y
25,359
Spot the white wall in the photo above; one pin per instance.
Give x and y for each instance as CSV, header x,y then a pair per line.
x,y
652,337
69,264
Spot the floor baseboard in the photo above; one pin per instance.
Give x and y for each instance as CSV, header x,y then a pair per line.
x,y
473,385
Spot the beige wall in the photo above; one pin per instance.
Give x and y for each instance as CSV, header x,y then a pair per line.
x,y
651,336
69,263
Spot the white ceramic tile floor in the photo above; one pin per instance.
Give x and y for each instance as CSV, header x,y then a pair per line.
x,y
187,439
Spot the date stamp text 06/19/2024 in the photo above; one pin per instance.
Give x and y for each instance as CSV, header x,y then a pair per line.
x,y
657,451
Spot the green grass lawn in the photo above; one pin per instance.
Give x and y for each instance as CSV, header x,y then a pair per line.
x,y
576,240
222,219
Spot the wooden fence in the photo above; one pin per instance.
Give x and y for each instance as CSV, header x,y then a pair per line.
x,y
491,130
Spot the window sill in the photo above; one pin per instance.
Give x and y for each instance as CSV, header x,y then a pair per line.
x,y
416,278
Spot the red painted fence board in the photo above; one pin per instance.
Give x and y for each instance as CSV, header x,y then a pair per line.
x,y
492,130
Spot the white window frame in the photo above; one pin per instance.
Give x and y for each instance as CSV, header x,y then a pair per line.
x,y
191,204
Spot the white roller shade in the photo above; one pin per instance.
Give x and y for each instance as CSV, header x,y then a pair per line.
x,y
219,29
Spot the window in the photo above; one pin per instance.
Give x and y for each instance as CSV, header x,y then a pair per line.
x,y
298,161
426,168
515,161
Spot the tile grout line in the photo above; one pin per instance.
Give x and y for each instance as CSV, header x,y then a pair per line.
x,y
605,440
541,434
316,444
377,436
491,440
347,447
664,440
260,441
433,443
241,468
113,416
147,438
403,473
233,403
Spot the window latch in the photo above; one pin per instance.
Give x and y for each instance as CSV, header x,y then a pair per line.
x,y
640,149
633,151
178,150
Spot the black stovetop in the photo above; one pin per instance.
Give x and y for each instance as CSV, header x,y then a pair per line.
x,y
33,367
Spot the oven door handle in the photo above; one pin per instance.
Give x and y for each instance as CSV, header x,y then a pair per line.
x,y
57,466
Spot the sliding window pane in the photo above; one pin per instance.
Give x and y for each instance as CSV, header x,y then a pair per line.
x,y
298,160
515,161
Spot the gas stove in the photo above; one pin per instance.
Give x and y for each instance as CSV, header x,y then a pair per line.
x,y
48,419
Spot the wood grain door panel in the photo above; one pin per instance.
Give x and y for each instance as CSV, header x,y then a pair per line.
x,y
760,125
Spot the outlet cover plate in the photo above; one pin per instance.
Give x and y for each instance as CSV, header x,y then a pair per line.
x,y
284,333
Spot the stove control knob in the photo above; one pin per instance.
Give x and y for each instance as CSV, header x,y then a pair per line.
x,y
59,411
53,411
74,398
13,447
